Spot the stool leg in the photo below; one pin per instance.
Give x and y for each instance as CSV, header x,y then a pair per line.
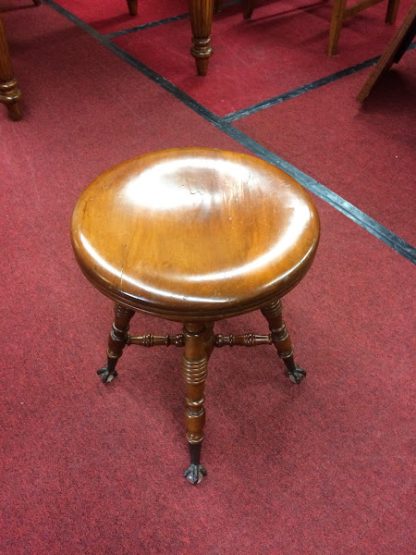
x,y
199,340
116,342
281,340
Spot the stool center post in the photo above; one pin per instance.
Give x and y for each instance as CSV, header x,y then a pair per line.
x,y
199,341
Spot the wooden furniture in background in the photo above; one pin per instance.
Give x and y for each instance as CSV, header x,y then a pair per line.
x,y
393,53
9,91
340,12
10,94
195,236
201,14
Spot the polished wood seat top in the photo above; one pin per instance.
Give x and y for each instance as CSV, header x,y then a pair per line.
x,y
194,234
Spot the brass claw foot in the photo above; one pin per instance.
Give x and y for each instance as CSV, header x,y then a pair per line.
x,y
296,376
107,375
194,473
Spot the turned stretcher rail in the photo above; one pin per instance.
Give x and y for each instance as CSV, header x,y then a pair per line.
x,y
221,340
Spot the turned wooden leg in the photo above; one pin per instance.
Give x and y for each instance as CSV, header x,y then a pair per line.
x,y
281,340
201,13
9,91
248,8
132,4
116,342
337,19
199,341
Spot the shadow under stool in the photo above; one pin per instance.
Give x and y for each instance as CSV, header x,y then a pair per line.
x,y
195,235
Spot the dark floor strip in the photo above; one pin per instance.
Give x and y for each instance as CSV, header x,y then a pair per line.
x,y
76,20
148,25
159,22
340,204
268,103
273,101
134,62
349,210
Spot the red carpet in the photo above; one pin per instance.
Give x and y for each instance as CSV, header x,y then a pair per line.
x,y
366,155
108,16
289,52
326,467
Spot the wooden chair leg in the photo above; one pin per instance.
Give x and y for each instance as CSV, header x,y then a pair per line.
x,y
201,13
9,91
391,13
248,8
337,18
199,341
116,342
394,51
281,340
132,5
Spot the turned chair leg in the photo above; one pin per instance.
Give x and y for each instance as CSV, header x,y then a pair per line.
x,y
132,5
9,91
281,340
199,340
116,342
201,13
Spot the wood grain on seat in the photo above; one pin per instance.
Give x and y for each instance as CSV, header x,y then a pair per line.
x,y
195,233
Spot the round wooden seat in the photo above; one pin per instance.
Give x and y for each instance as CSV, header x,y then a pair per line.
x,y
194,233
